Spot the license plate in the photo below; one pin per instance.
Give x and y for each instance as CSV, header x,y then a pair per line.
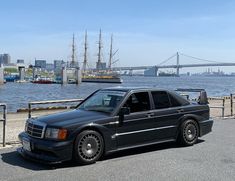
x,y
26,145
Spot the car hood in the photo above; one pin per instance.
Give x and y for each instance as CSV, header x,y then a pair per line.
x,y
71,117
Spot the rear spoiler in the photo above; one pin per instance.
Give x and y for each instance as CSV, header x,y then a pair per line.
x,y
202,99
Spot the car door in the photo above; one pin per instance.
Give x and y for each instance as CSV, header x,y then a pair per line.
x,y
137,127
167,112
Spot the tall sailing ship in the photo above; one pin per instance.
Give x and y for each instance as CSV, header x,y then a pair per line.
x,y
101,74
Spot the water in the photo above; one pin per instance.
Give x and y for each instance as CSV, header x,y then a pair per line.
x,y
18,95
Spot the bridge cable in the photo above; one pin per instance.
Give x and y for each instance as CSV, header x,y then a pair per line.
x,y
166,60
199,58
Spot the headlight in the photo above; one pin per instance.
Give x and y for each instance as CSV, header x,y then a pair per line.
x,y
54,133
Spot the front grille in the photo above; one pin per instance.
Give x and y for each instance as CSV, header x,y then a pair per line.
x,y
35,129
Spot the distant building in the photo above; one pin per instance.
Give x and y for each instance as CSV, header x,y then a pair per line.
x,y
21,61
152,72
50,66
58,64
41,64
5,59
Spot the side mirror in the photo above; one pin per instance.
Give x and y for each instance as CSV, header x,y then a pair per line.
x,y
123,111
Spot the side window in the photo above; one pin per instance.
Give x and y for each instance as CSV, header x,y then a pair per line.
x,y
161,99
174,101
138,102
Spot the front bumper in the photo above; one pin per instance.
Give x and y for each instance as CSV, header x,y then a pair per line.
x,y
206,126
46,151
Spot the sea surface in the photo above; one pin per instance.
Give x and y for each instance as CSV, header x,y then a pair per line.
x,y
17,95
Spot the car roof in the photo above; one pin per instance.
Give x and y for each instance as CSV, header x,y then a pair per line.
x,y
127,89
177,96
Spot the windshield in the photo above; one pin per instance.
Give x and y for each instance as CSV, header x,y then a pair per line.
x,y
103,101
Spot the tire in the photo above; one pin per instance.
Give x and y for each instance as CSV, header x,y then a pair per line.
x,y
189,132
88,147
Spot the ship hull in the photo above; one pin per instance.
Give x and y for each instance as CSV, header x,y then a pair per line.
x,y
42,82
102,80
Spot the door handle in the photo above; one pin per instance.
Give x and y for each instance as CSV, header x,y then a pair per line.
x,y
150,114
180,110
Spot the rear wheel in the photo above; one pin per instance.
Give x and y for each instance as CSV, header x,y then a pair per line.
x,y
89,146
189,132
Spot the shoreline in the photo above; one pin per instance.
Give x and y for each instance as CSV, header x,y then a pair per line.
x,y
17,96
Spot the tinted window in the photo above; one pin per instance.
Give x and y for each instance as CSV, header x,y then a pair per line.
x,y
180,99
161,99
174,101
103,101
138,102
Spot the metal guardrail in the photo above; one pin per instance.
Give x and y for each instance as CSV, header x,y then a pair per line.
x,y
212,98
30,104
3,120
218,107
232,102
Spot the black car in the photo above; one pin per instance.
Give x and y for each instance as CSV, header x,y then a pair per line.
x,y
114,119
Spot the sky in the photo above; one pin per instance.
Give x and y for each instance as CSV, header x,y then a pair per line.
x,y
146,32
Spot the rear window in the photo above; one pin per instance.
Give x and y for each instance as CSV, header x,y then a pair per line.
x,y
163,99
178,98
174,101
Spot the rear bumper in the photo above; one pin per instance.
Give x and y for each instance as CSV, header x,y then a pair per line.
x,y
46,151
206,126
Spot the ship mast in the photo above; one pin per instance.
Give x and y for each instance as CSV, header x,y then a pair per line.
x,y
99,52
73,53
111,53
85,54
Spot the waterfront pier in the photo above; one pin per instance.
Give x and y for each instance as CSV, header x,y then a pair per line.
x,y
78,75
1,75
21,72
64,75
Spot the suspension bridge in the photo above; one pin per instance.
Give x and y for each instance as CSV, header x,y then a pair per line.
x,y
177,66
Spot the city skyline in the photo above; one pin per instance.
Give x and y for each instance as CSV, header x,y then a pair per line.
x,y
146,33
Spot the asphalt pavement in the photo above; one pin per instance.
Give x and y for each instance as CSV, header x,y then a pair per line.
x,y
212,158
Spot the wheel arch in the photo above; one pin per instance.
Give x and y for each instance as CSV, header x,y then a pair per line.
x,y
104,132
186,117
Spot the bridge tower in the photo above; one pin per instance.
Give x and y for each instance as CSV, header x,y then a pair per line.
x,y
177,64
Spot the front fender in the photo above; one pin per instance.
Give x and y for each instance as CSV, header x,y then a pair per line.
x,y
109,143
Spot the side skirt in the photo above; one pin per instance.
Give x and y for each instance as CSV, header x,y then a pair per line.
x,y
140,145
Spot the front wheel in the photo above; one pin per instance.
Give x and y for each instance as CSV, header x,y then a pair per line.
x,y
89,146
189,132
